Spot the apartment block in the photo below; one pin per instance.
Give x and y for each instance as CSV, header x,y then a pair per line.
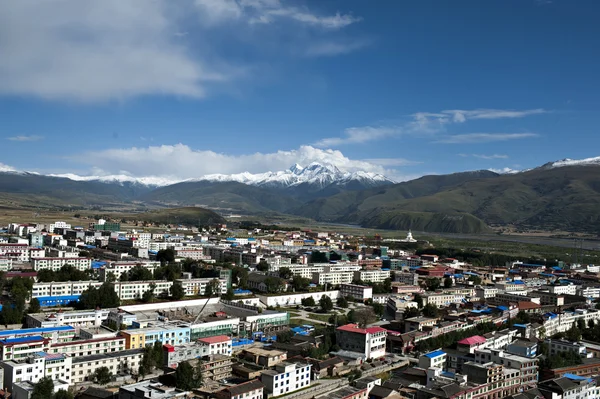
x,y
368,341
286,378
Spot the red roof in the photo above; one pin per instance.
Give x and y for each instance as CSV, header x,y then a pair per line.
x,y
474,340
525,305
356,329
215,340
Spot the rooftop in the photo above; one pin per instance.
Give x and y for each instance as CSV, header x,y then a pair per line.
x,y
434,354
356,329
215,340
474,340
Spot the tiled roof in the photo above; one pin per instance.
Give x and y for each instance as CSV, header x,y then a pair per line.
x,y
215,340
356,329
476,339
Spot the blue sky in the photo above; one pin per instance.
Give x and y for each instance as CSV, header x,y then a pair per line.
x,y
187,88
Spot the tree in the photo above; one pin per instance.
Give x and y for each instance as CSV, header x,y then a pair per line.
x,y
186,378
284,336
300,283
148,296
229,295
432,283
573,334
110,277
102,375
326,303
364,317
419,300
43,389
177,291
104,296
591,323
140,273
212,288
475,279
318,257
342,302
274,284
166,255
34,306
581,324
239,276
285,272
308,301
351,316
378,309
262,266
62,394
430,310
447,282
410,312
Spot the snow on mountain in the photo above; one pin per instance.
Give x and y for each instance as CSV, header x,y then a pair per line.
x,y
572,162
315,174
146,181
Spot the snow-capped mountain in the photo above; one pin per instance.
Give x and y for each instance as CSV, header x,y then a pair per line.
x,y
315,174
150,181
572,162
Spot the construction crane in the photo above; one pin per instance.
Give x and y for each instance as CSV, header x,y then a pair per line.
x,y
202,310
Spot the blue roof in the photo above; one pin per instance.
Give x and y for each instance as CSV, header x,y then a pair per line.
x,y
471,274
59,298
576,377
546,274
557,268
528,265
33,331
518,282
434,354
502,308
21,340
520,325
98,264
458,276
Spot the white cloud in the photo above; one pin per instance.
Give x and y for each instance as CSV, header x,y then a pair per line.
x,y
460,116
100,50
483,137
357,135
25,138
6,168
505,171
186,163
392,161
483,156
333,48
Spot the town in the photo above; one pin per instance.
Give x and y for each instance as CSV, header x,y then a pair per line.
x,y
177,311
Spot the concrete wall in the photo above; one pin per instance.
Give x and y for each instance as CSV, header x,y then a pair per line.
x,y
296,299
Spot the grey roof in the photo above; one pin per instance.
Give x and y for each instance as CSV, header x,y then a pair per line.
x,y
560,385
102,356
245,387
380,392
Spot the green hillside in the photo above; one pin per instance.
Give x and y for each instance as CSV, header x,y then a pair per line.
x,y
194,216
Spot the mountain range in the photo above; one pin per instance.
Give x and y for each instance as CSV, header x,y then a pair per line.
x,y
562,195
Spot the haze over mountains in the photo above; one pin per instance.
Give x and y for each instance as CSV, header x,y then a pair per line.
x,y
561,195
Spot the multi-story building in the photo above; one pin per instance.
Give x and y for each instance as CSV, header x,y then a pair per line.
x,y
16,252
118,268
167,333
6,264
190,253
23,347
218,345
492,380
435,359
360,292
263,356
528,367
556,346
569,387
332,278
287,377
55,334
88,347
216,367
58,289
56,263
35,367
173,355
484,292
560,289
407,278
369,341
442,299
124,361
372,275
307,271
197,286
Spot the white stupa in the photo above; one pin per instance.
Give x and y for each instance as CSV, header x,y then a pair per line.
x,y
409,237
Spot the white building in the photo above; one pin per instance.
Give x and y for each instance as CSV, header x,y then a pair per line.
x,y
371,275
56,263
76,318
5,264
36,367
435,359
566,289
368,341
556,346
286,378
219,345
332,278
58,225
360,292
62,288
84,367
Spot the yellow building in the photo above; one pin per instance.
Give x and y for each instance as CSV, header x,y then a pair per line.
x,y
134,339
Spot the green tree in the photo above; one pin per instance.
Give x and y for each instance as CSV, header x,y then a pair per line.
x,y
285,272
364,317
177,291
378,309
239,276
104,296
166,255
212,288
274,284
447,282
351,316
581,324
419,300
430,310
34,306
149,296
432,283
285,336
110,277
318,257
591,323
43,389
387,285
262,266
229,295
573,334
62,394
140,273
102,375
300,283
186,378
308,301
410,312
342,302
475,279
325,303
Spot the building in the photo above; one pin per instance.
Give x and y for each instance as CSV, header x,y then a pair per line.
x,y
556,346
264,357
442,299
173,355
88,347
470,344
286,378
125,361
36,367
55,334
435,359
151,389
78,318
418,323
569,387
332,278
216,367
218,345
166,333
247,390
372,275
23,347
55,264
368,341
528,366
360,292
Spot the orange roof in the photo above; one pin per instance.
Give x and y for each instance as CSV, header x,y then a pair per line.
x,y
215,340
